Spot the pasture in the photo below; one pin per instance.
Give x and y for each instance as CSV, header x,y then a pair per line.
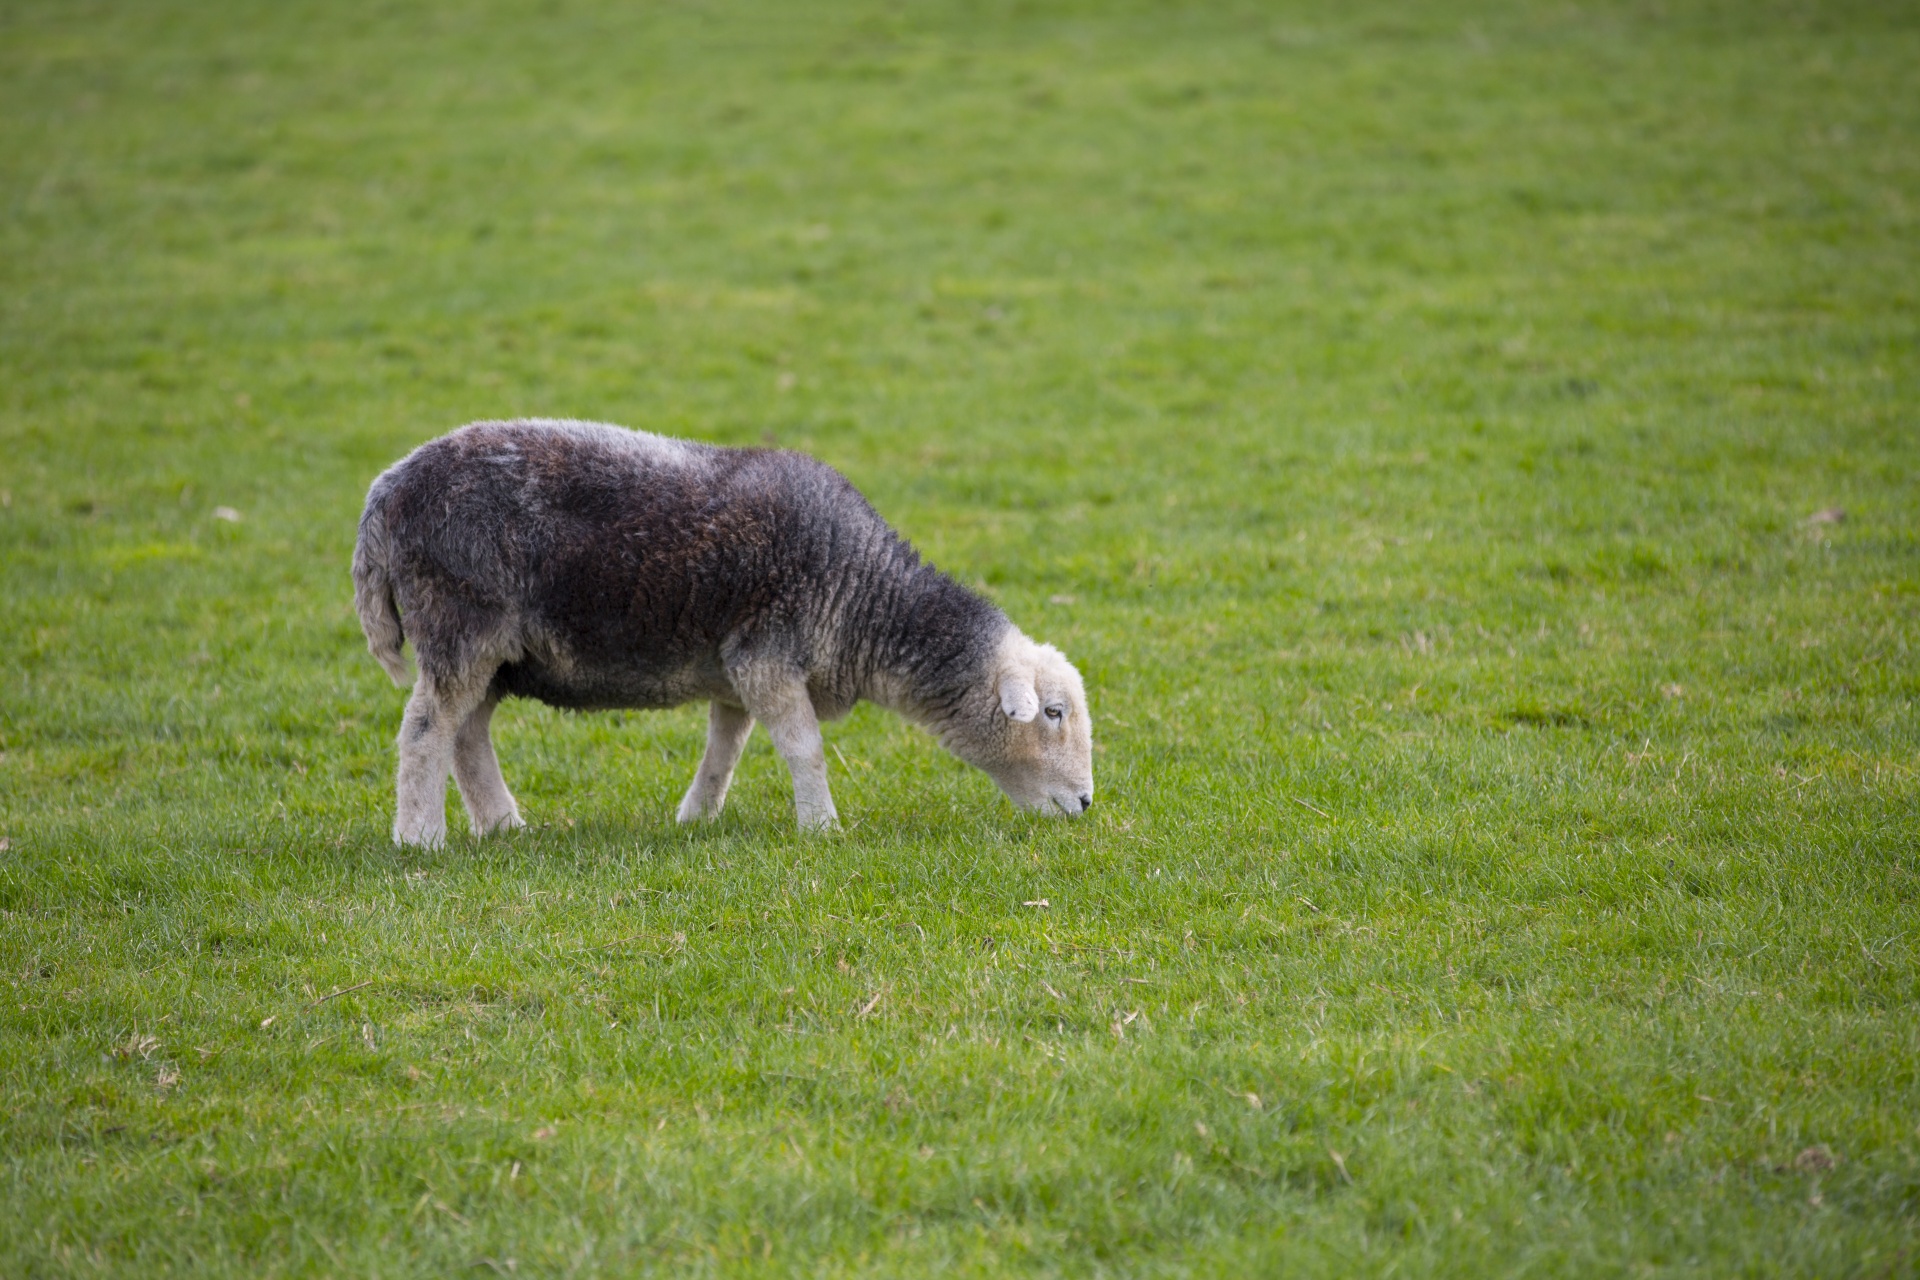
x,y
1427,427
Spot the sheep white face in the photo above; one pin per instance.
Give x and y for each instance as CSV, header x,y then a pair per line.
x,y
1045,761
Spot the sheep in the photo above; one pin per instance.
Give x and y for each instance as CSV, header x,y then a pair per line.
x,y
593,567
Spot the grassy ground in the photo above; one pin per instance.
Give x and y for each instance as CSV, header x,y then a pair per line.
x,y
1506,857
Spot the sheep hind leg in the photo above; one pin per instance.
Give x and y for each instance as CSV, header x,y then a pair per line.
x,y
727,730
428,732
476,772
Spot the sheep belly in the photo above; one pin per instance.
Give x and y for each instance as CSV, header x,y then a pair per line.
x,y
602,686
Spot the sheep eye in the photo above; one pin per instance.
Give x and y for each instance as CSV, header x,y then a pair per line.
x,y
1054,713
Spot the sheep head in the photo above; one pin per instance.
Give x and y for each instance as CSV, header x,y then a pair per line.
x,y
1029,728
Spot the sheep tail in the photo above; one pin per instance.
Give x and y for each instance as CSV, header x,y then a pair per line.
x,y
373,595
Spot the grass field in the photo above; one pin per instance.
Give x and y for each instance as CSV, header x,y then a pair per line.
x,y
1507,852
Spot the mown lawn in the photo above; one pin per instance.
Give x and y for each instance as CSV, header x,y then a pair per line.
x,y
1412,418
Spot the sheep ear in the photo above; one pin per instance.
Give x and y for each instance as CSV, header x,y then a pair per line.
x,y
1018,698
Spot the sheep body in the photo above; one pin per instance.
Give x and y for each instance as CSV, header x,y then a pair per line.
x,y
589,566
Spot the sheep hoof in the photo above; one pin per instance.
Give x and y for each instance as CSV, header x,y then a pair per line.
x,y
506,822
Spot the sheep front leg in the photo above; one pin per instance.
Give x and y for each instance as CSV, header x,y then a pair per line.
x,y
476,771
787,712
727,730
428,732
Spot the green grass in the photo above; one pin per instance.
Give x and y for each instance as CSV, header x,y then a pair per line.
x,y
1508,839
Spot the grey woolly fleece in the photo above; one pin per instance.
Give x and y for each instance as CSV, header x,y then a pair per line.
x,y
590,566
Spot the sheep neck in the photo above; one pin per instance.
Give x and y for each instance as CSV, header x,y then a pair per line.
x,y
927,643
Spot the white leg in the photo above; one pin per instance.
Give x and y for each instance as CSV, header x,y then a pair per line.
x,y
427,734
783,706
476,771
727,730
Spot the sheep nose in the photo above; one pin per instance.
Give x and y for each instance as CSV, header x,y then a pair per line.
x,y
1086,803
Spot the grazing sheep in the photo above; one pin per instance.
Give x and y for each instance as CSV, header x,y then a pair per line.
x,y
594,567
